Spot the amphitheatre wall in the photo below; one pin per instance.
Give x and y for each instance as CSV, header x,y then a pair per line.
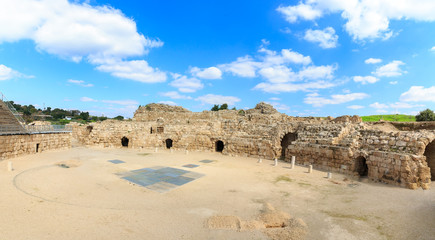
x,y
15,145
381,151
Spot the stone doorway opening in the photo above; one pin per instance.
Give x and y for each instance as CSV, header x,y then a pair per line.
x,y
361,166
286,141
429,153
168,143
124,142
219,146
37,147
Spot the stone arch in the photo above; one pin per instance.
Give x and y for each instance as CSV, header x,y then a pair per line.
x,y
168,143
361,166
219,146
124,141
286,140
429,153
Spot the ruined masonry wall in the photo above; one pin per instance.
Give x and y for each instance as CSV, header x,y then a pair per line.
x,y
21,144
392,156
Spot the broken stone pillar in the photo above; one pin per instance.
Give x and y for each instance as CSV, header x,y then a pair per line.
x,y
329,175
276,162
310,168
157,149
10,168
293,162
259,160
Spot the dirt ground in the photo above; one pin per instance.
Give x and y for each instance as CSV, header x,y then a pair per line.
x,y
76,194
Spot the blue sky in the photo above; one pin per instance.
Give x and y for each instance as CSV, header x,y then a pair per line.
x,y
306,58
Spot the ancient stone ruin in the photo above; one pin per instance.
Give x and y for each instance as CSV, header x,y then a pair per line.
x,y
17,138
395,153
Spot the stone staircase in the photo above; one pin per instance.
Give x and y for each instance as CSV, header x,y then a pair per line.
x,y
10,120
6,116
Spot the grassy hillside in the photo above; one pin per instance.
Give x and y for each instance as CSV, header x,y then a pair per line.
x,y
390,118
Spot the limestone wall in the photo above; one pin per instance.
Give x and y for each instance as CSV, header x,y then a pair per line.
x,y
21,144
343,144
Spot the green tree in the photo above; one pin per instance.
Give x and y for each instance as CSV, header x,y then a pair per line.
x,y
47,111
426,115
223,107
119,117
215,108
84,116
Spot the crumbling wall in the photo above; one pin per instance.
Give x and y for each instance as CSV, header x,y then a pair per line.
x,y
21,144
391,156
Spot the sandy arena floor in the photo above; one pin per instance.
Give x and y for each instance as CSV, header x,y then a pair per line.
x,y
79,194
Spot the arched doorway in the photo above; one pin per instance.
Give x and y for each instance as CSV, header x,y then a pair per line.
x,y
168,143
361,166
429,153
286,141
219,146
124,141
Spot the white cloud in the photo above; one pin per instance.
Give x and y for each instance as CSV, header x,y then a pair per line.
x,y
397,105
208,73
294,57
286,56
175,95
275,99
419,94
303,11
278,74
293,87
317,72
393,82
87,99
384,108
265,42
137,70
391,69
378,105
373,61
279,106
286,30
317,101
102,35
168,103
274,67
80,83
218,99
121,102
432,49
7,73
355,107
326,38
128,103
365,19
242,67
366,79
247,67
87,31
185,84
382,111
